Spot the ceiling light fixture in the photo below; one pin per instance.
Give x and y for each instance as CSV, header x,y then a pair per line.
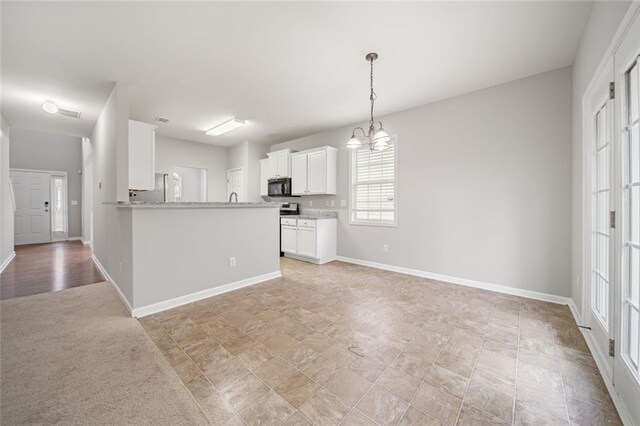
x,y
378,140
225,127
50,107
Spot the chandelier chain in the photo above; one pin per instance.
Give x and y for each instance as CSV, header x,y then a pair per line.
x,y
371,97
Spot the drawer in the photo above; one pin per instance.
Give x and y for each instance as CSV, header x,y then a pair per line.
x,y
288,221
307,223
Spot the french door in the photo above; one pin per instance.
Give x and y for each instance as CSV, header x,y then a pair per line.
x,y
599,213
626,371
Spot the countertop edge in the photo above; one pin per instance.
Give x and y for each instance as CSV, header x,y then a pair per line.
x,y
211,205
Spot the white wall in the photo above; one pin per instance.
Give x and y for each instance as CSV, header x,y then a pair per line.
x,y
112,234
194,184
484,187
31,149
602,25
171,153
6,208
247,155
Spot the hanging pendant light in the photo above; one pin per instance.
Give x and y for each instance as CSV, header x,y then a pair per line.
x,y
378,140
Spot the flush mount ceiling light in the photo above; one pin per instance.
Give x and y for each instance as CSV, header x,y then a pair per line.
x,y
225,127
378,140
50,107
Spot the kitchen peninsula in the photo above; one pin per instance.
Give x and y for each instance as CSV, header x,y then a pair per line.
x,y
183,252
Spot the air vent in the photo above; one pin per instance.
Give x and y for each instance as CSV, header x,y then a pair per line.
x,y
68,113
162,120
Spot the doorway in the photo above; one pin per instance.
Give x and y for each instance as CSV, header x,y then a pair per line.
x,y
41,207
189,184
235,183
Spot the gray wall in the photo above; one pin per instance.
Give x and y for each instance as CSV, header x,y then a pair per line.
x,y
6,208
192,252
112,234
484,187
603,22
47,151
171,152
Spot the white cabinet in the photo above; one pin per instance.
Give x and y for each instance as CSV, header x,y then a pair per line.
x,y
306,242
299,174
310,240
142,155
289,239
264,177
279,163
314,172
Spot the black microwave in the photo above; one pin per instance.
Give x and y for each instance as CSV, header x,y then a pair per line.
x,y
280,187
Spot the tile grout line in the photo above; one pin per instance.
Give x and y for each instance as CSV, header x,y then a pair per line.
x,y
515,380
473,369
385,370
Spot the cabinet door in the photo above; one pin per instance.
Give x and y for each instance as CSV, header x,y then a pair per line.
x,y
317,172
273,165
299,174
307,242
264,176
283,164
289,239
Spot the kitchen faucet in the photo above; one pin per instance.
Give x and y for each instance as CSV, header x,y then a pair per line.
x,y
231,196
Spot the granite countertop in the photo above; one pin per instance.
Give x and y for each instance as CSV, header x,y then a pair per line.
x,y
189,205
312,215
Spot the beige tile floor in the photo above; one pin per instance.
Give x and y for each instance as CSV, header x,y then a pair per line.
x,y
345,344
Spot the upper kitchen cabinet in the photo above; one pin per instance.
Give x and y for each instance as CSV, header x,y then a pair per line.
x,y
142,155
279,163
314,171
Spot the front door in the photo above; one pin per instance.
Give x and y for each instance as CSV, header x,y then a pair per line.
x,y
33,213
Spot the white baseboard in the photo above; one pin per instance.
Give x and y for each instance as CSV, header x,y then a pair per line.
x,y
74,239
85,242
603,367
7,261
462,281
194,297
309,259
113,283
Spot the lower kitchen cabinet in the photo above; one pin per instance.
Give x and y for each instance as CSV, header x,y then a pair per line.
x,y
311,240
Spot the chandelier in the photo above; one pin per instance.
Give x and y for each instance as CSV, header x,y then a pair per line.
x,y
378,140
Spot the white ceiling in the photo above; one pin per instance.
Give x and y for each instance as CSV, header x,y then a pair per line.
x,y
289,69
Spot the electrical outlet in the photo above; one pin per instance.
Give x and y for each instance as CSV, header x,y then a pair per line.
x,y
385,248
343,203
74,202
333,203
232,262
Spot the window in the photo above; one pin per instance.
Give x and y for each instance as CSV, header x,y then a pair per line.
x,y
58,216
373,186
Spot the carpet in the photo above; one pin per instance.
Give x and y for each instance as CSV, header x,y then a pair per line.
x,y
76,357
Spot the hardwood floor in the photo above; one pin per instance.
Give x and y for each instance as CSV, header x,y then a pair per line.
x,y
43,268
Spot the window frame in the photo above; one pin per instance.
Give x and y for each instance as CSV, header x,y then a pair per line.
x,y
385,224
